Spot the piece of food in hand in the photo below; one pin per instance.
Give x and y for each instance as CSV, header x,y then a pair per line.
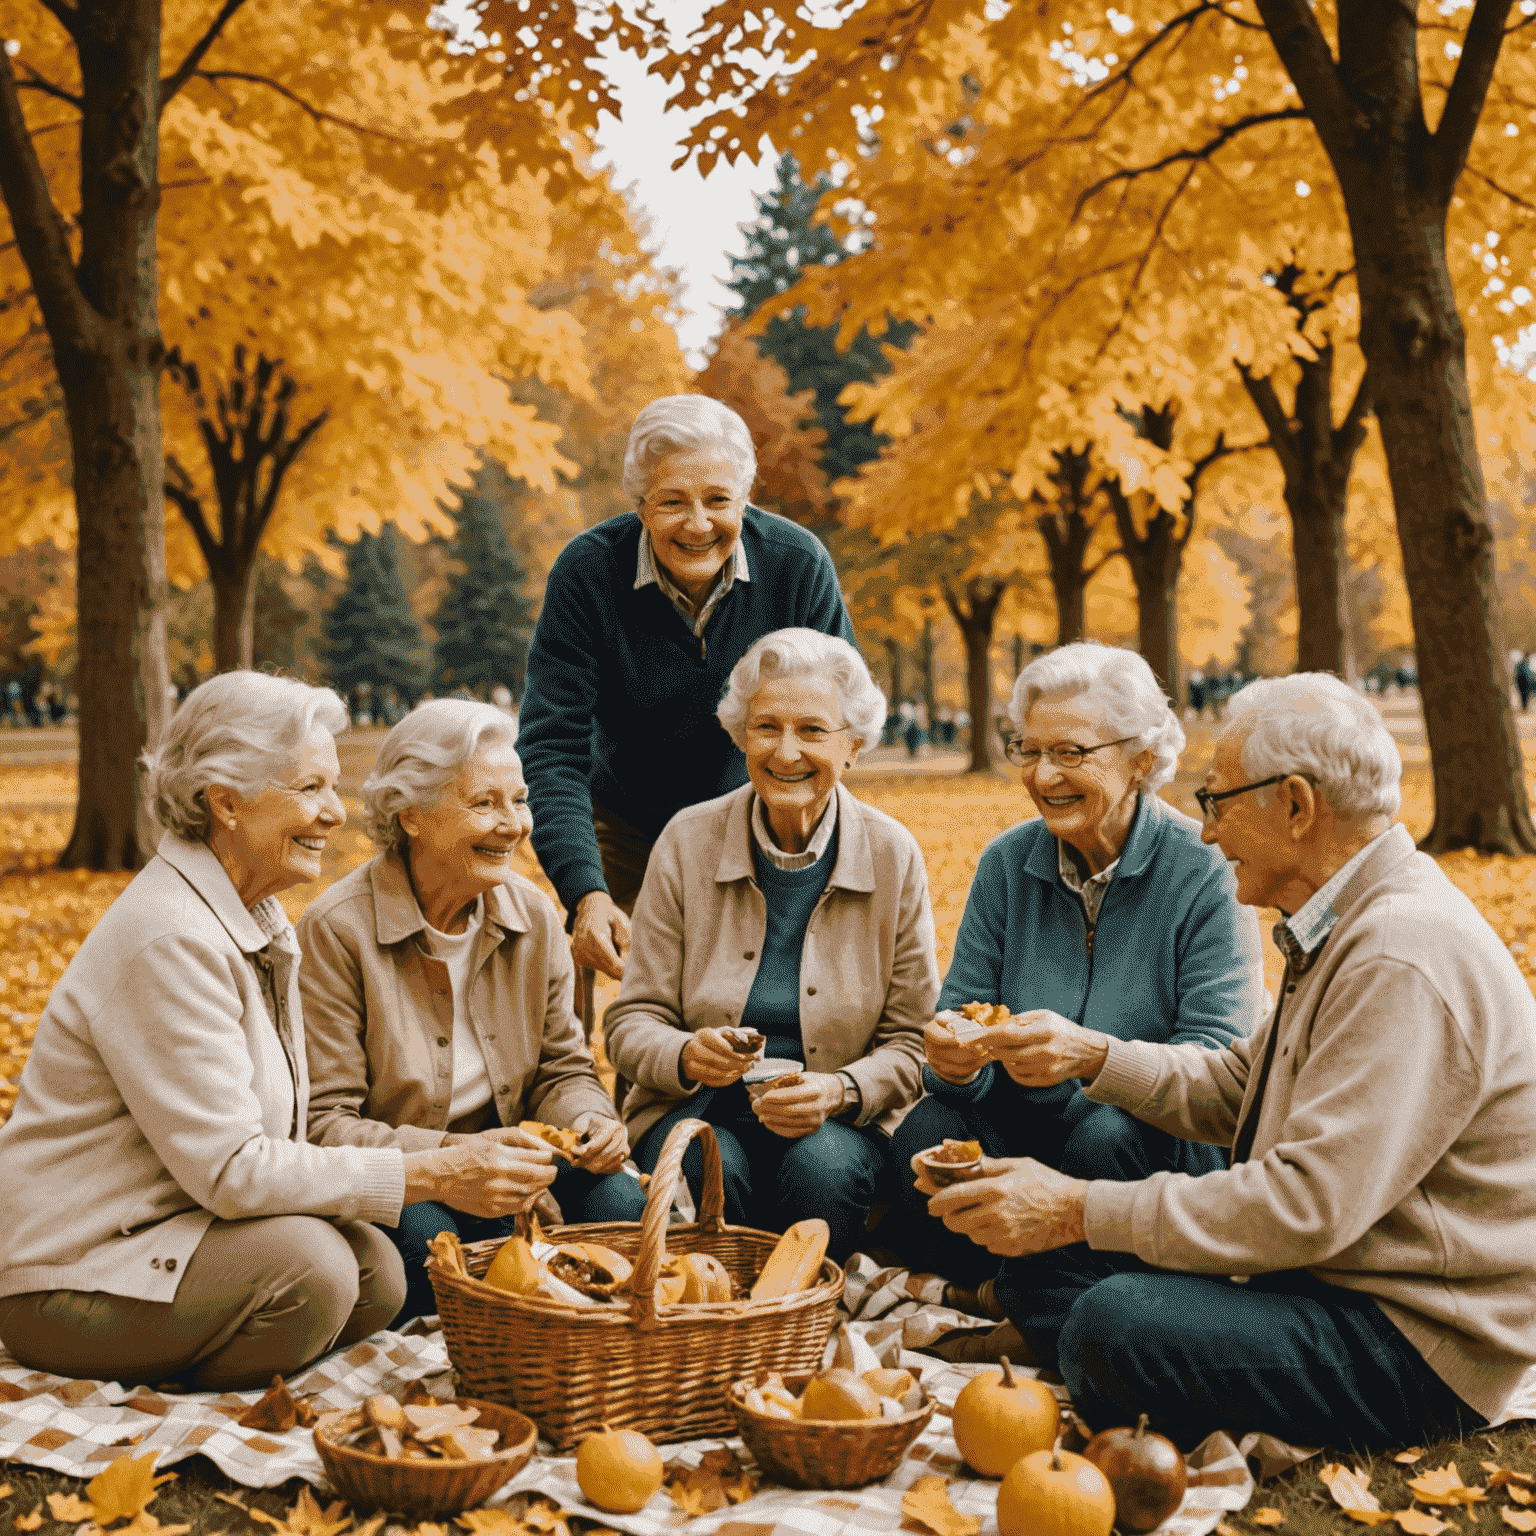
x,y
1145,1471
514,1269
1054,1493
972,1020
795,1261
619,1470
745,1042
952,1162
448,1254
839,1394
1000,1416
771,1072
561,1139
896,1386
705,1278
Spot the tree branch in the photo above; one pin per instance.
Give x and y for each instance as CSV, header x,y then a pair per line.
x,y
178,487
1261,391
317,113
1513,197
1350,433
66,15
45,87
40,233
184,71
1304,51
1469,90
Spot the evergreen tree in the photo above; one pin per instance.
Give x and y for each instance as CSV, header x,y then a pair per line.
x,y
484,622
371,635
781,242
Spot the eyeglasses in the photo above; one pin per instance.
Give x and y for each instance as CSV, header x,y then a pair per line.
x,y
1207,801
766,733
1065,754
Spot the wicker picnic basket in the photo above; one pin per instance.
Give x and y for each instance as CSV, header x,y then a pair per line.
x,y
662,1370
818,1453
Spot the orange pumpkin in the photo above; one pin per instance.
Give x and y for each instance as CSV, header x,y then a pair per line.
x,y
1054,1493
1146,1472
999,1417
618,1470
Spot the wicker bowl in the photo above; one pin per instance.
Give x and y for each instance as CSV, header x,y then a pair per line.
x,y
824,1453
367,1481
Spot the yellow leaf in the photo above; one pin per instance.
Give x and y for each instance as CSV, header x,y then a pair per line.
x,y
307,1519
5,1490
1223,1529
927,1503
1504,1477
1444,1486
1417,1523
1411,1455
145,1524
125,1488
1520,1519
30,1522
1351,1492
65,1506
1267,1516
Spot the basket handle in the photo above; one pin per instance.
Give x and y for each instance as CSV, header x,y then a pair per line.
x,y
658,1206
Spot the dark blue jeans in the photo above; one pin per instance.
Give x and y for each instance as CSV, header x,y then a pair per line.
x,y
1082,1139
582,1196
1285,1353
772,1182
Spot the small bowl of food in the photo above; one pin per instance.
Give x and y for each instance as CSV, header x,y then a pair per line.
x,y
772,1072
952,1162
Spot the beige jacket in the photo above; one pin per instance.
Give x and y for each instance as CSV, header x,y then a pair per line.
x,y
379,1013
869,973
1395,1147
162,1093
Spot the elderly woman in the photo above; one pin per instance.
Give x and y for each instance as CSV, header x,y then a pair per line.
x,y
791,909
644,616
437,988
1108,911
168,1216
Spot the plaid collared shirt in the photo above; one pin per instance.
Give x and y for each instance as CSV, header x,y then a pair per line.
x,y
649,570
1093,889
1300,936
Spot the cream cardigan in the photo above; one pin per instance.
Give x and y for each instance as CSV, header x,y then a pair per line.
x,y
1395,1147
159,1095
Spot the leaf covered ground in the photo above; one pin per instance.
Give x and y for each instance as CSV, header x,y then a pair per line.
x,y
45,913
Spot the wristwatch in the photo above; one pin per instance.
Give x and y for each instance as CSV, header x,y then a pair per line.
x,y
853,1098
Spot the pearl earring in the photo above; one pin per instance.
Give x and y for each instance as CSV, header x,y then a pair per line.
x,y
230,823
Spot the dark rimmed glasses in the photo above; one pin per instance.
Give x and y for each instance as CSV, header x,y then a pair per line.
x,y
1065,754
1208,801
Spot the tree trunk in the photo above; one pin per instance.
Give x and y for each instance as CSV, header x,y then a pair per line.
x,y
1155,558
234,614
1066,542
930,690
1321,564
893,661
976,618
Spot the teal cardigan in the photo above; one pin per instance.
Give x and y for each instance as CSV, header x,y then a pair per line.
x,y
1174,958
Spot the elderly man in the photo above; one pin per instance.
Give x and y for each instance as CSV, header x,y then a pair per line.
x,y
1363,1273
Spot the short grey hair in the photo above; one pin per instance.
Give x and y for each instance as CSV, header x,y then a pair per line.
x,y
239,730
791,653
1134,702
682,424
1314,725
424,754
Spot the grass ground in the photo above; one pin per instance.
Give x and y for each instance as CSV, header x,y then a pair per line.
x,y
44,914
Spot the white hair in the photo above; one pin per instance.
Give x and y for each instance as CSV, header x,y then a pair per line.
x,y
792,653
239,730
424,754
1314,725
681,424
1121,681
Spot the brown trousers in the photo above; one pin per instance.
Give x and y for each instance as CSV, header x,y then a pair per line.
x,y
259,1299
625,852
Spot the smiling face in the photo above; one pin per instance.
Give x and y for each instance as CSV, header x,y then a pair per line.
x,y
693,509
1253,831
279,835
463,845
798,748
1090,807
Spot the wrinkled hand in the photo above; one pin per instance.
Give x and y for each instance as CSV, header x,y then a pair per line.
x,y
802,1109
482,1176
709,1059
954,1062
600,934
1023,1208
506,1135
1041,1049
607,1143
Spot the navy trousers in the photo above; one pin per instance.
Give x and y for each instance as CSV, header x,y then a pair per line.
x,y
582,1196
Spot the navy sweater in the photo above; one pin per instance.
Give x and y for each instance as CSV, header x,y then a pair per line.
x,y
773,1004
621,696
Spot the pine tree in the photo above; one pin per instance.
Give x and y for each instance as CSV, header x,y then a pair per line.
x,y
371,635
781,242
484,622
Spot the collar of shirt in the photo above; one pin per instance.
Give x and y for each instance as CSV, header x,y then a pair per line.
x,y
650,572
762,835
269,916
1301,935
1093,888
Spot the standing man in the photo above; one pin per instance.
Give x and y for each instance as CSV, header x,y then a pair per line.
x,y
644,617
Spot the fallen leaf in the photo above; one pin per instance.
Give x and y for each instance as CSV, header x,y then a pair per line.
x,y
369,1526
65,1506
1520,1519
927,1503
230,1498
1411,1455
1518,1494
306,1518
1223,1529
1267,1516
1417,1523
30,1522
145,1524
5,1490
536,1516
719,1479
275,1412
1351,1492
1444,1486
125,1489
1504,1477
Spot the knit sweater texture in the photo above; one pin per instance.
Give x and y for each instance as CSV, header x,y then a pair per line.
x,y
773,1004
621,696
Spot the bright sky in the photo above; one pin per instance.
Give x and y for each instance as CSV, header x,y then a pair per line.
x,y
694,222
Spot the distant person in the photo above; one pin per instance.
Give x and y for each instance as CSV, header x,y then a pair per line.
x,y
912,732
1525,680
644,617
946,726
13,713
501,697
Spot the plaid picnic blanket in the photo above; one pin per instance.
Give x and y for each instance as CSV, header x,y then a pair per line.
x,y
78,1427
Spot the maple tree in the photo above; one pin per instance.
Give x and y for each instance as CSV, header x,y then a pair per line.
x,y
1144,168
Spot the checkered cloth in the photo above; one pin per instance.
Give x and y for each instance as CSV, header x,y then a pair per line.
x,y
78,1427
